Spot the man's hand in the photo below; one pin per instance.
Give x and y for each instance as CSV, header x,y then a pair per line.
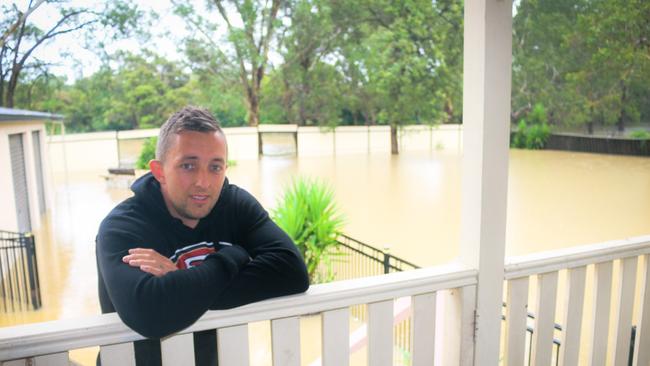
x,y
150,261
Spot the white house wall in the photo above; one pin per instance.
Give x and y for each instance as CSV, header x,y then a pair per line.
x,y
8,219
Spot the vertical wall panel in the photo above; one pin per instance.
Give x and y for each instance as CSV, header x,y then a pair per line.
x,y
178,350
468,326
600,316
623,310
285,335
336,337
19,173
424,329
380,333
572,316
542,351
55,359
121,354
233,345
641,349
516,315
38,165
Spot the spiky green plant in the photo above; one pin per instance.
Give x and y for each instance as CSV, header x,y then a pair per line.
x,y
309,215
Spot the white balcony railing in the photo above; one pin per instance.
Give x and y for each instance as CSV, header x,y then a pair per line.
x,y
620,276
49,342
600,345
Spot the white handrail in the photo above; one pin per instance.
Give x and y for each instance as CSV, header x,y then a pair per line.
x,y
556,260
63,335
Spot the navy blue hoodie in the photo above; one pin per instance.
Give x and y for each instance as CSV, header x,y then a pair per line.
x,y
234,256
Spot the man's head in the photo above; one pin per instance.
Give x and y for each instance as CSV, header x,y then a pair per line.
x,y
189,118
190,164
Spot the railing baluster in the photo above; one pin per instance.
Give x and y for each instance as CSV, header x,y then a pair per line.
x,y
542,352
624,305
178,350
423,329
600,316
55,359
233,345
572,316
467,325
336,337
380,333
121,354
641,349
285,335
516,316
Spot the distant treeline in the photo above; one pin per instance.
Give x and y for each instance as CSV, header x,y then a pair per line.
x,y
354,62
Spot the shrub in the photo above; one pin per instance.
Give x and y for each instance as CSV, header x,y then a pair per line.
x,y
640,135
148,153
535,133
519,138
308,213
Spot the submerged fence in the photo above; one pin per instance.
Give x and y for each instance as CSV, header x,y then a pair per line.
x,y
19,284
355,259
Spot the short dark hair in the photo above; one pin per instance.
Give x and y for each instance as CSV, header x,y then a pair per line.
x,y
189,118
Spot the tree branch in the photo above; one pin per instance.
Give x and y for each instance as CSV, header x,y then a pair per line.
x,y
240,57
21,20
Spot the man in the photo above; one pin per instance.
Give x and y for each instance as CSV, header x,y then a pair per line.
x,y
189,241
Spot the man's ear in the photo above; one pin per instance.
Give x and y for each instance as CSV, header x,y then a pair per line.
x,y
157,170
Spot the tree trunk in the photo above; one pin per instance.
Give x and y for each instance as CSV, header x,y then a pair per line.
x,y
9,97
394,146
253,101
254,111
620,124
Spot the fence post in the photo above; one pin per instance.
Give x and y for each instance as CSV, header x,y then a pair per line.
x,y
386,260
32,269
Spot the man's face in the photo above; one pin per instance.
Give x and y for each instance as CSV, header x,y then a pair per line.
x,y
192,174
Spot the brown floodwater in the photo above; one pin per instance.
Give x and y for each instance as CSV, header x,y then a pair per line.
x,y
409,203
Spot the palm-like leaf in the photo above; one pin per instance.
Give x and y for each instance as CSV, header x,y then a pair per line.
x,y
308,213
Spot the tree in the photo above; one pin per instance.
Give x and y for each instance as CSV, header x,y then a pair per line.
x,y
250,42
20,38
586,61
310,87
614,36
141,92
407,65
215,83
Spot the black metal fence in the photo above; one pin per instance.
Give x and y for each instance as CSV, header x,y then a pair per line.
x,y
357,259
19,284
598,144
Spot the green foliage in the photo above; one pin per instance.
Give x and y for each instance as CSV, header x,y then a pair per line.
x,y
582,60
147,154
535,133
21,39
640,135
347,62
308,213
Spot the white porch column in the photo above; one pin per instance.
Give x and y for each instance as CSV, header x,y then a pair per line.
x,y
486,120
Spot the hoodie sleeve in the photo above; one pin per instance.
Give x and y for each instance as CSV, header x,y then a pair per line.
x,y
158,306
276,267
